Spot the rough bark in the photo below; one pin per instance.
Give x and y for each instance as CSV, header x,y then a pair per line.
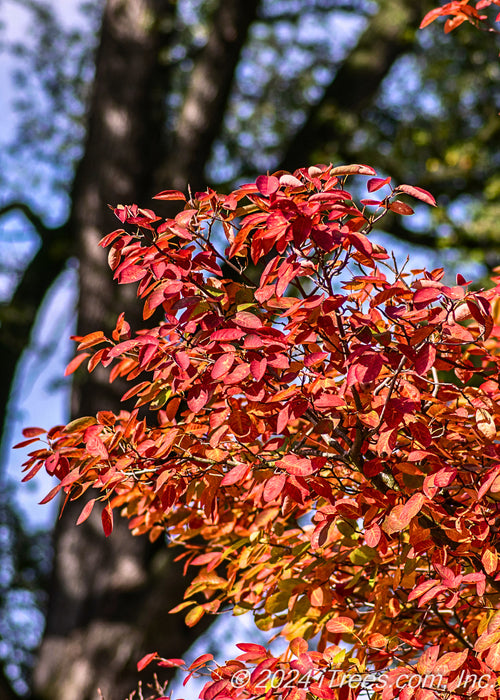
x,y
204,105
110,598
101,588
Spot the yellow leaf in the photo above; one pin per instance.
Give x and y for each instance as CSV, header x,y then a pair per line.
x,y
194,616
490,560
80,424
485,424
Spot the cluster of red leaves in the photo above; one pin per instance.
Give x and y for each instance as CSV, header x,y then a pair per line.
x,y
460,11
323,421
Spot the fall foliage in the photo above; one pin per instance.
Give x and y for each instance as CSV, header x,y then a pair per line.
x,y
460,11
321,433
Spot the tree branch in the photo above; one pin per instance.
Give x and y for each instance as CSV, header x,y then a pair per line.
x,y
356,83
207,96
18,315
35,220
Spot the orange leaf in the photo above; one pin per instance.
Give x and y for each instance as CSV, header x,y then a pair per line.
x,y
427,661
490,560
373,535
75,363
170,194
485,424
377,640
340,625
91,339
493,658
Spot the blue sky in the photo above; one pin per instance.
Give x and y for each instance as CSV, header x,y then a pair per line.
x,y
41,395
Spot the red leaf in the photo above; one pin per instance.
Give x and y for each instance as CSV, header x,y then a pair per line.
x,y
33,432
423,297
248,320
93,443
146,660
240,423
490,477
274,487
493,658
422,588
75,363
361,242
217,689
251,648
53,492
400,208
216,436
412,507
200,661
226,334
297,466
87,510
170,194
258,369
197,398
24,443
52,462
376,183
107,520
131,273
314,358
222,365
171,663
238,374
236,474
328,401
267,184
425,359
418,193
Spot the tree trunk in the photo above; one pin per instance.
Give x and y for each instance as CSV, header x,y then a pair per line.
x,y
110,598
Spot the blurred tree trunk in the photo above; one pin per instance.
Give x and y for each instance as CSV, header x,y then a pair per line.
x,y
109,598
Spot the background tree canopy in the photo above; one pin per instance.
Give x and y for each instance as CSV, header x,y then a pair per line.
x,y
136,96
